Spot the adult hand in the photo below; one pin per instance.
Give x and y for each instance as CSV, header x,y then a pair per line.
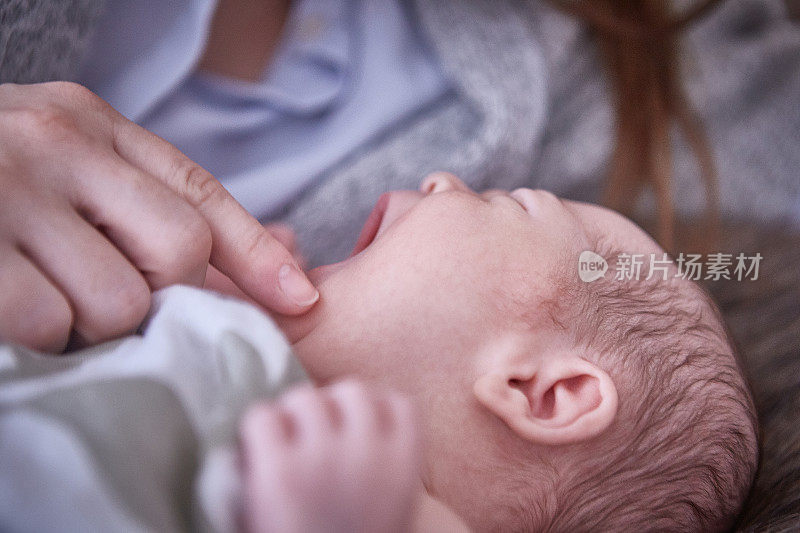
x,y
96,212
339,459
218,282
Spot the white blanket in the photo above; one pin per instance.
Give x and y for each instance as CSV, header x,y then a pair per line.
x,y
135,435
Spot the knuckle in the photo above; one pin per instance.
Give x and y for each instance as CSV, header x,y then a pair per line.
x,y
350,388
283,233
65,87
48,329
48,111
196,182
194,237
257,242
48,122
298,395
53,331
134,303
72,92
357,396
123,312
187,245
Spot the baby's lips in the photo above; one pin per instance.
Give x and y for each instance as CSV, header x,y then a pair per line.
x,y
388,210
372,224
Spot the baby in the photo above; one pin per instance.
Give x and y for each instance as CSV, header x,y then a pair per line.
x,y
546,403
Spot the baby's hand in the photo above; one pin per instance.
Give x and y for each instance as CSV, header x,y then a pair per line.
x,y
338,459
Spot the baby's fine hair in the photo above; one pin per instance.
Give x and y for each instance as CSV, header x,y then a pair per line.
x,y
682,452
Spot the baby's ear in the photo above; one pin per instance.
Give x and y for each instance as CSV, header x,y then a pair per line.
x,y
560,399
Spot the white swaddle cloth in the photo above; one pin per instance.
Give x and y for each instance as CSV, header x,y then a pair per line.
x,y
137,434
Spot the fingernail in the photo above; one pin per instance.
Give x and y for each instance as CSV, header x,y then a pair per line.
x,y
296,286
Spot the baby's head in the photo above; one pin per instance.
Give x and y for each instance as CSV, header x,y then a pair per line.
x,y
547,403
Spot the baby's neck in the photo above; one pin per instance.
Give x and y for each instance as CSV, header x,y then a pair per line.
x,y
432,516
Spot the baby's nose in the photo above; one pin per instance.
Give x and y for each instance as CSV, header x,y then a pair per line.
x,y
442,181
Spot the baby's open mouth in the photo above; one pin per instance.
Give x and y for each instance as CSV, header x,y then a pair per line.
x,y
373,224
389,208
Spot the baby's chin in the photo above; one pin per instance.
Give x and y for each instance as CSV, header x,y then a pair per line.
x,y
321,274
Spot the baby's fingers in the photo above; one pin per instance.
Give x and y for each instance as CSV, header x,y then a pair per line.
x,y
382,453
370,411
267,458
265,425
377,423
315,414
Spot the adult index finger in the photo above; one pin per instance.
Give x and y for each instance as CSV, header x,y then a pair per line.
x,y
241,248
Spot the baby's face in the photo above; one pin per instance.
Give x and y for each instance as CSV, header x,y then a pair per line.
x,y
441,275
447,298
440,282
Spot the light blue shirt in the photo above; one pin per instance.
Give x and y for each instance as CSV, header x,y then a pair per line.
x,y
345,73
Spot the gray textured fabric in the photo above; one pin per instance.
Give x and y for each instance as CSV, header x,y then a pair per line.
x,y
742,73
44,40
